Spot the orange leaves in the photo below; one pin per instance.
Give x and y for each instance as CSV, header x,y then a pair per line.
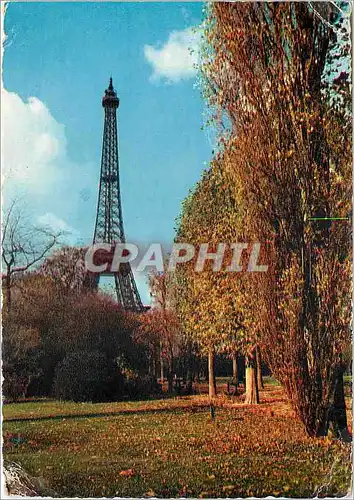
x,y
127,473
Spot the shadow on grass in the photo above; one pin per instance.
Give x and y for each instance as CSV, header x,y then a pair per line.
x,y
28,400
186,408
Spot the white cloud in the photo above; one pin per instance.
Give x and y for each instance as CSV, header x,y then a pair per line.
x,y
55,223
51,220
176,59
35,164
33,145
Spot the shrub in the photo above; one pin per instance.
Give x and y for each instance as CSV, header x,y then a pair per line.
x,y
141,386
88,376
20,372
13,387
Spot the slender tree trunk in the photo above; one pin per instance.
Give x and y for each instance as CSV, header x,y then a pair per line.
x,y
252,396
189,385
169,383
8,290
211,373
170,374
161,364
259,368
235,368
197,372
156,365
242,371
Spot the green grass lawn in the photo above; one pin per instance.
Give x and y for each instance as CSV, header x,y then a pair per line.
x,y
171,447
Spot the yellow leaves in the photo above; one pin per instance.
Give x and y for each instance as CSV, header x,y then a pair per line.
x,y
151,493
228,488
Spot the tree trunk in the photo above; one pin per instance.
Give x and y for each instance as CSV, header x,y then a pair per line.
x,y
189,385
161,364
8,290
149,364
170,374
156,366
211,373
252,396
259,368
235,368
169,382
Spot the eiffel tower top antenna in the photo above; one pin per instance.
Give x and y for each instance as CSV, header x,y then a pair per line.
x,y
110,98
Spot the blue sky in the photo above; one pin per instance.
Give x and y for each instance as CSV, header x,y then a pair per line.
x,y
57,62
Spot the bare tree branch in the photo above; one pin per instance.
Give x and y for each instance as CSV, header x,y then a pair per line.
x,y
23,244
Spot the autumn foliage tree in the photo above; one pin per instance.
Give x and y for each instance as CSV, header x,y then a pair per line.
x,y
211,301
49,321
162,323
66,267
267,74
159,331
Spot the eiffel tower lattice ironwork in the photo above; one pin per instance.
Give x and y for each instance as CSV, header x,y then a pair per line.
x,y
109,220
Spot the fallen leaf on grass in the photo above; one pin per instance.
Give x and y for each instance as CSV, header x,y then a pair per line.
x,y
127,473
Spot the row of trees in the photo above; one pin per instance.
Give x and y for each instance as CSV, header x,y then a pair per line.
x,y
173,350
214,306
284,158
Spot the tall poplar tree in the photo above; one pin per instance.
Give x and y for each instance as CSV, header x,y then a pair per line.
x,y
287,158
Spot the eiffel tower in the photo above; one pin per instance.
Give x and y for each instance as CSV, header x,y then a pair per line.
x,y
109,219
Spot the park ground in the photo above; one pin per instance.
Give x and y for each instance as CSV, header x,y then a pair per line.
x,y
171,447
